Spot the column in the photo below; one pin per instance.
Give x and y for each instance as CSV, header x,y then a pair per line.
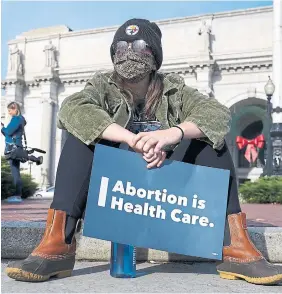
x,y
14,82
14,88
204,70
204,78
277,59
276,129
49,89
59,137
14,91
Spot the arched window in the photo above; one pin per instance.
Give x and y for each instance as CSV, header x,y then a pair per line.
x,y
250,132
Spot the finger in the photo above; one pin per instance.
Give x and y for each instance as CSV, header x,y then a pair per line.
x,y
148,155
159,146
151,156
162,159
150,159
138,137
140,144
149,144
154,163
151,151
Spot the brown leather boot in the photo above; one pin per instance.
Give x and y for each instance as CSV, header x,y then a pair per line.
x,y
52,257
241,259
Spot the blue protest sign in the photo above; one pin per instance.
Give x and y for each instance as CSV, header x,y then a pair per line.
x,y
178,208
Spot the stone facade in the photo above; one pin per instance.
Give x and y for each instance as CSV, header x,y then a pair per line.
x,y
226,55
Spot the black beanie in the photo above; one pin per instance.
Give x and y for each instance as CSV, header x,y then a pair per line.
x,y
141,29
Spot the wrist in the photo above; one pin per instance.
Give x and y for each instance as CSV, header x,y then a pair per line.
x,y
128,138
178,133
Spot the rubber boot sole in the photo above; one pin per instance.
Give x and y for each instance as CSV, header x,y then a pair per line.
x,y
258,281
21,275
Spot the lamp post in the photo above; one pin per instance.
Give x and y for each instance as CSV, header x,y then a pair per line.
x,y
269,89
273,164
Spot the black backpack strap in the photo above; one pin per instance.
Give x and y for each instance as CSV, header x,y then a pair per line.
x,y
24,136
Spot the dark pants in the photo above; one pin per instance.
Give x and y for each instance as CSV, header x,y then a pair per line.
x,y
74,169
15,169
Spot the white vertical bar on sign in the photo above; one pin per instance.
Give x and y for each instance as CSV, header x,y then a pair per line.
x,y
103,192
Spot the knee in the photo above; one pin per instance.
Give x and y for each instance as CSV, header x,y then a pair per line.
x,y
216,158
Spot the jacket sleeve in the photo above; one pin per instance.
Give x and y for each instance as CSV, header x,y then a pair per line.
x,y
83,116
210,116
12,127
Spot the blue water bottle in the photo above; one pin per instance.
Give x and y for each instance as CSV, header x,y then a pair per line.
x,y
123,261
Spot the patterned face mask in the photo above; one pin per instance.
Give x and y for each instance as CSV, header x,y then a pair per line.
x,y
134,67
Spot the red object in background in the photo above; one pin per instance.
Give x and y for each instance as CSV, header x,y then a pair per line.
x,y
251,153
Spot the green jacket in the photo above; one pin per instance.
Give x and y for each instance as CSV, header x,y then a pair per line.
x,y
88,113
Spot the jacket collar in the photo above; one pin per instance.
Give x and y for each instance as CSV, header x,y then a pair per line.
x,y
168,85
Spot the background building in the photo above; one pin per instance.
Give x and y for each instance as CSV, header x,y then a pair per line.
x,y
226,55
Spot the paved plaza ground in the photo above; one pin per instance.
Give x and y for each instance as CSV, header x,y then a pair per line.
x,y
258,215
94,277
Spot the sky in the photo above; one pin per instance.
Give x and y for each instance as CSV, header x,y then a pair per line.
x,y
22,16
